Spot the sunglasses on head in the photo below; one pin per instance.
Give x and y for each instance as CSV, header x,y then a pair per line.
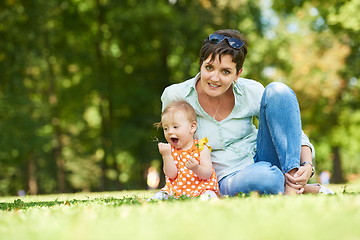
x,y
233,42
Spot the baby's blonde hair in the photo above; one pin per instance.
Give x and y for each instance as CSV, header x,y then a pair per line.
x,y
179,106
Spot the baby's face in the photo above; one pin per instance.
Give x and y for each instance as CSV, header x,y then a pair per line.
x,y
178,130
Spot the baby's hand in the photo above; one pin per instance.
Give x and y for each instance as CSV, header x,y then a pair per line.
x,y
164,148
192,164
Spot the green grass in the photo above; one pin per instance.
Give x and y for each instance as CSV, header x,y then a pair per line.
x,y
126,215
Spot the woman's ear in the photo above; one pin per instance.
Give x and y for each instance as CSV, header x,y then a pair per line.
x,y
240,71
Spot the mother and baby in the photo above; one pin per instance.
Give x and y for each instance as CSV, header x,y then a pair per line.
x,y
208,124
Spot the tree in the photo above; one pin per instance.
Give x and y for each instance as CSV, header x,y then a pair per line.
x,y
326,57
81,81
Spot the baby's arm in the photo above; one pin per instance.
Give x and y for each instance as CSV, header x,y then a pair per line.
x,y
204,169
169,168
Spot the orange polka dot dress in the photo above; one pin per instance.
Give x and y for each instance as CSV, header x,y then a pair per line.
x,y
187,182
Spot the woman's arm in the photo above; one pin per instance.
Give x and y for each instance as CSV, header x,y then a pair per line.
x,y
204,169
303,174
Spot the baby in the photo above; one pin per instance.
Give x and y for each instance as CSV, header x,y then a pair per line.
x,y
187,161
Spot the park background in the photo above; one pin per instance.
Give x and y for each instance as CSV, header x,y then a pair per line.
x,y
81,80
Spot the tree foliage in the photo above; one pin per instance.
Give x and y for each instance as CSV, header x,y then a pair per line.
x,y
81,80
325,47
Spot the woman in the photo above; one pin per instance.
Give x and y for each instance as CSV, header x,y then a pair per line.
x,y
276,158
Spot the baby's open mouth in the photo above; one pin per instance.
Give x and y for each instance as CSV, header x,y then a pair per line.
x,y
175,140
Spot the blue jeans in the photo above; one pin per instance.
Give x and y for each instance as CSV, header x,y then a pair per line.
x,y
278,145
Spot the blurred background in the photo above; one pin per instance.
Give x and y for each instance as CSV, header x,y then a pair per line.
x,y
81,80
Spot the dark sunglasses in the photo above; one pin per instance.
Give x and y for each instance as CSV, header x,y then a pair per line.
x,y
233,42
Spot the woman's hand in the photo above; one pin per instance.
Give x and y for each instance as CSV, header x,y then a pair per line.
x,y
301,176
293,185
296,179
299,179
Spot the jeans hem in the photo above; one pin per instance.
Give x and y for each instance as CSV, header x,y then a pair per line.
x,y
288,169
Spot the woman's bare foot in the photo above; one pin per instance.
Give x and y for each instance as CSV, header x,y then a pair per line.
x,y
316,188
313,189
289,191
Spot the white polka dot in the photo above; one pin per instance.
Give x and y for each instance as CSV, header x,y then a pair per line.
x,y
192,179
188,182
180,183
196,155
176,162
184,179
193,186
196,182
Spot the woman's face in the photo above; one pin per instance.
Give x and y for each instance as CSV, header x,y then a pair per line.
x,y
217,76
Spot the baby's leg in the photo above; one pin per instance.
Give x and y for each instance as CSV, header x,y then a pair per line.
x,y
209,195
159,196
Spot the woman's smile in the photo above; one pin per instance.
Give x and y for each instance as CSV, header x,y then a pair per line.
x,y
213,85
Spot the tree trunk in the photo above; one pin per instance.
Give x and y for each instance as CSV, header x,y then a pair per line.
x,y
337,176
60,163
105,103
55,120
31,175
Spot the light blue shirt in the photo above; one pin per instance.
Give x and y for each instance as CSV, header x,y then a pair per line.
x,y
233,140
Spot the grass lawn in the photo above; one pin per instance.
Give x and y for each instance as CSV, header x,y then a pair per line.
x,y
126,215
